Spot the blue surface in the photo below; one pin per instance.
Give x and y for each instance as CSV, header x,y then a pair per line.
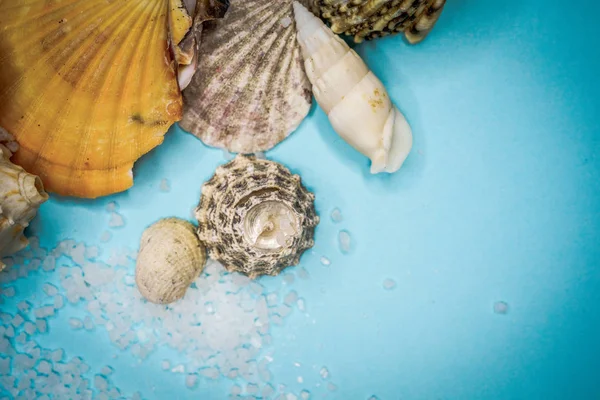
x,y
499,201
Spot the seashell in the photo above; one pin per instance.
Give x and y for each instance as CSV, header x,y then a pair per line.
x,y
170,258
86,87
251,90
189,47
367,19
21,194
255,217
355,100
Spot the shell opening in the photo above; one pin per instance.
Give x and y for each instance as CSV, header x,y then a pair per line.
x,y
271,226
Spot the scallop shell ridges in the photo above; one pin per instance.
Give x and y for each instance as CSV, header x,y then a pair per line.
x,y
170,258
255,217
372,19
86,87
250,91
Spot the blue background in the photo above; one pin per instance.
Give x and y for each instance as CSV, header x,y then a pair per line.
x,y
499,201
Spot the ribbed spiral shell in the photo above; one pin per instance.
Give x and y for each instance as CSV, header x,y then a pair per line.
x,y
370,19
250,91
228,210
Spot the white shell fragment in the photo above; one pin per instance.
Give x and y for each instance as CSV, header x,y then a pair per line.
x,y
255,217
250,91
357,103
21,194
170,258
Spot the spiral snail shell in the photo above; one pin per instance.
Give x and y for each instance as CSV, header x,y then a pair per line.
x,y
255,217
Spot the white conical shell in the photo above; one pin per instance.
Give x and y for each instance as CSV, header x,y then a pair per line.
x,y
170,258
21,194
355,100
250,91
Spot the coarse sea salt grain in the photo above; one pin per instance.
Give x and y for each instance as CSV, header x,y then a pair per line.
x,y
389,284
239,327
501,307
336,215
116,220
325,261
165,186
345,241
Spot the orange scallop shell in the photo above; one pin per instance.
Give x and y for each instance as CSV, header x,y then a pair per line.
x,y
86,87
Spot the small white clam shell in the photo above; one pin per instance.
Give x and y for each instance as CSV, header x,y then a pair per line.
x,y
170,258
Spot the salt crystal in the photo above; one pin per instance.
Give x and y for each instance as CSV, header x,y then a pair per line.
x,y
305,395
302,273
112,206
324,373
289,279
336,215
8,291
191,380
49,264
4,366
331,387
291,396
92,252
235,390
260,154
179,369
75,323
105,237
10,332
272,299
251,388
212,373
114,393
29,328
57,355
389,284
100,383
268,390
106,370
301,304
345,241
325,261
300,379
297,365
24,306
136,396
17,321
116,220
44,367
501,307
59,302
284,311
21,338
291,297
165,186
88,325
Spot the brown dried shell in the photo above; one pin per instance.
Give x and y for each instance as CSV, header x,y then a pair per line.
x,y
255,217
367,19
250,91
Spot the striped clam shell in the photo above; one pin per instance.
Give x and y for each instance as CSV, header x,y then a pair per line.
x,y
250,91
